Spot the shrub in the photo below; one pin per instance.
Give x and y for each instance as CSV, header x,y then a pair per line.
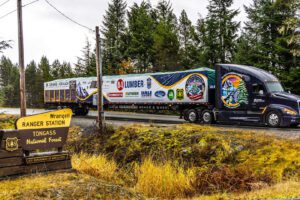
x,y
88,140
7,121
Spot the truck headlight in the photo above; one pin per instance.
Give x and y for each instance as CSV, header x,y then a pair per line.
x,y
289,111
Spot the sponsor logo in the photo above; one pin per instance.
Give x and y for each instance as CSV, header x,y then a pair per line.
x,y
132,94
11,144
149,83
195,87
171,95
160,94
234,91
129,84
115,94
179,94
134,84
120,84
146,94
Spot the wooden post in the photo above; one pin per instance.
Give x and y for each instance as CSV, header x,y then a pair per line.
x,y
21,60
99,81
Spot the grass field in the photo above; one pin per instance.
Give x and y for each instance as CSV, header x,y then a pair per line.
x,y
180,162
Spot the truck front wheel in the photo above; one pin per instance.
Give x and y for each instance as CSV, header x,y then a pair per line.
x,y
207,117
273,119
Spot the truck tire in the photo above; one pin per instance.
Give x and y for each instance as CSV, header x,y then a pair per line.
x,y
192,116
273,119
207,117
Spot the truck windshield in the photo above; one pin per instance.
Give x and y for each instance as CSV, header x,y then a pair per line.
x,y
274,87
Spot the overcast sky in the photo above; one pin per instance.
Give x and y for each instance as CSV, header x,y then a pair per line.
x,y
48,33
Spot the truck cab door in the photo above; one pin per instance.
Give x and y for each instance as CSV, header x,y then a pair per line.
x,y
234,97
259,100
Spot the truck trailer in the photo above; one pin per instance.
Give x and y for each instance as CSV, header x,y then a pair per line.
x,y
229,94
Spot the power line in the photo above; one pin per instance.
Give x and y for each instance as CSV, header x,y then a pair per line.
x,y
32,2
5,2
70,19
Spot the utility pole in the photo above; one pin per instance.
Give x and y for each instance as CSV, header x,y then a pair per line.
x,y
99,81
21,60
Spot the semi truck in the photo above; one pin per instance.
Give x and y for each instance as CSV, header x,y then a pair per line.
x,y
229,93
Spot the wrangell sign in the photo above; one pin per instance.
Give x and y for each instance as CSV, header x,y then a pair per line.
x,y
44,131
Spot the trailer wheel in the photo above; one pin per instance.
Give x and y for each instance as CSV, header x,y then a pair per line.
x,y
207,117
273,119
192,116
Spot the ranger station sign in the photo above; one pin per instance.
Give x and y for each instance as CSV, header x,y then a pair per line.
x,y
44,131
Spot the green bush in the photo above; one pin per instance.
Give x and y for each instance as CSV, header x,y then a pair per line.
x,y
7,121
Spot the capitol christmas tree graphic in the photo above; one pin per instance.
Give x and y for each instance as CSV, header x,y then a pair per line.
x,y
243,94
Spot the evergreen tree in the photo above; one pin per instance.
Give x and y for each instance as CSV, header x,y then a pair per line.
x,y
221,31
44,68
9,83
31,86
86,65
43,75
66,70
114,32
166,44
266,17
187,37
61,71
271,44
4,45
244,52
55,69
140,35
200,38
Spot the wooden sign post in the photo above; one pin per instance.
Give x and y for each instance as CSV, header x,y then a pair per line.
x,y
46,133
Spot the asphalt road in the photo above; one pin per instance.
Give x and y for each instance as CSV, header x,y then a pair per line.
x,y
121,116
124,118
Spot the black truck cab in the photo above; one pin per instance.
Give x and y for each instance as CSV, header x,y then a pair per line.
x,y
250,95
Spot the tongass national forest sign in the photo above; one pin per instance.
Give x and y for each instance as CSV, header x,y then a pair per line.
x,y
44,131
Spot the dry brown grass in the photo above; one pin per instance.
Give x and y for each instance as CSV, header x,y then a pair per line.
x,y
284,190
163,180
95,165
60,186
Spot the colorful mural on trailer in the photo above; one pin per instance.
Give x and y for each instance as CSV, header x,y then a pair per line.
x,y
195,87
234,91
184,87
